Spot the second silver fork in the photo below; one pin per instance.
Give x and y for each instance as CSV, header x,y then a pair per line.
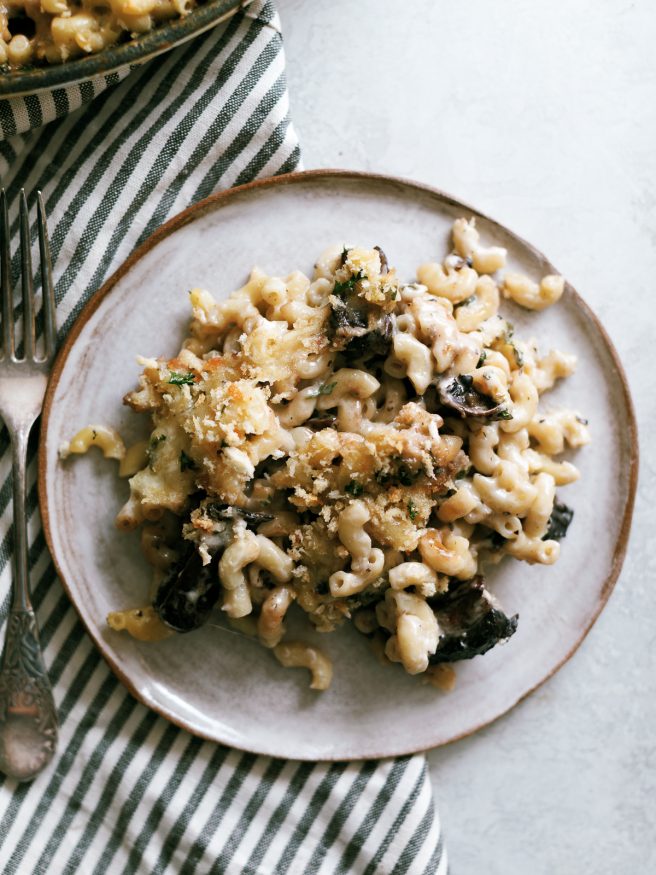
x,y
28,718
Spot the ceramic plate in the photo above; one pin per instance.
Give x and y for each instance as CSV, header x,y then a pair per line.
x,y
29,80
227,688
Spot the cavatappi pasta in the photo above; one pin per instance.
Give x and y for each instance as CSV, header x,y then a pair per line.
x,y
54,31
354,444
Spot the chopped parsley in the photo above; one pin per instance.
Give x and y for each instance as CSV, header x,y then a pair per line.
x,y
178,379
466,302
154,442
325,389
465,472
354,488
502,414
404,475
412,510
186,462
481,359
341,289
519,358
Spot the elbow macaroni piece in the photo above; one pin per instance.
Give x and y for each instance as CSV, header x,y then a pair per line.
x,y
106,439
466,243
448,553
530,294
416,358
294,654
142,623
414,627
134,459
270,626
237,600
366,563
483,306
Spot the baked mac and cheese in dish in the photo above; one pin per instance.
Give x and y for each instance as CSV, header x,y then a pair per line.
x,y
54,31
355,444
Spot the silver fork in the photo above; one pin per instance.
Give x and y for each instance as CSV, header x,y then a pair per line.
x,y
28,718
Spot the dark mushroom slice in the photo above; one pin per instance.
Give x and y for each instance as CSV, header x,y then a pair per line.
x,y
319,422
356,328
561,517
459,394
229,512
470,622
384,264
359,330
495,540
430,398
186,597
348,318
347,321
376,343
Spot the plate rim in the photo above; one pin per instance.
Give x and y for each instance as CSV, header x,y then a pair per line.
x,y
208,204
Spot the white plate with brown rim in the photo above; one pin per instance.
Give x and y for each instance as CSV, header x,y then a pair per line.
x,y
229,689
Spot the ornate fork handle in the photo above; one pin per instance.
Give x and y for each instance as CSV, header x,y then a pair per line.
x,y
28,719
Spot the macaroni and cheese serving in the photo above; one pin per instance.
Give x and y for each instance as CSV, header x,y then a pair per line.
x,y
53,31
355,444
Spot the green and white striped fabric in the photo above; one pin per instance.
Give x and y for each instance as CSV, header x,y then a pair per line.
x,y
129,792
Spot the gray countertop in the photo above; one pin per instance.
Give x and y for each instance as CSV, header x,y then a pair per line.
x,y
544,116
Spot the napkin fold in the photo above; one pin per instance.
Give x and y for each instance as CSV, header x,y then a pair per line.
x,y
128,791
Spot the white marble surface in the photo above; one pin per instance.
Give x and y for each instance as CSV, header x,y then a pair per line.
x,y
544,116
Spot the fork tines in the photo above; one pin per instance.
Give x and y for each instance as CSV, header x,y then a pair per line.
x,y
27,281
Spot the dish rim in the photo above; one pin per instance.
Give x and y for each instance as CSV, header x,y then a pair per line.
x,y
206,205
168,35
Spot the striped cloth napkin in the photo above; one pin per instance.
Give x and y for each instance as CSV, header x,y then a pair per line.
x,y
128,791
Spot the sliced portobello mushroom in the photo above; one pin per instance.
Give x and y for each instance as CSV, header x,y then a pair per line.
x,y
384,264
375,343
459,394
470,622
318,422
229,512
188,594
348,319
186,597
358,330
